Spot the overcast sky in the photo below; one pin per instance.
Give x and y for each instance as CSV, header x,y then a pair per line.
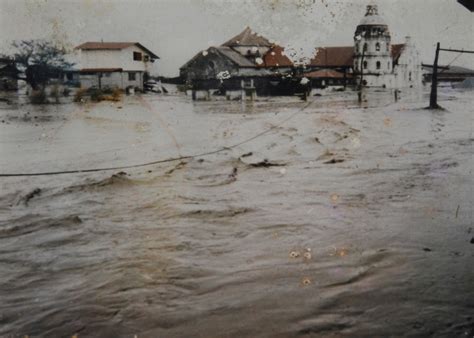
x,y
178,29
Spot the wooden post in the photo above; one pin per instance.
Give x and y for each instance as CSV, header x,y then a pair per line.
x,y
434,81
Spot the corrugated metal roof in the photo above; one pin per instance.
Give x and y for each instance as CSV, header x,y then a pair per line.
x,y
248,38
276,57
114,46
236,57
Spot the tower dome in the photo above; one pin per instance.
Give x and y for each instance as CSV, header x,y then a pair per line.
x,y
372,17
372,23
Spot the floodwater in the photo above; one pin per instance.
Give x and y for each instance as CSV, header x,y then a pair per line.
x,y
321,218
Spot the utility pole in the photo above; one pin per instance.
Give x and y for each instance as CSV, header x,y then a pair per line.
x,y
361,75
434,81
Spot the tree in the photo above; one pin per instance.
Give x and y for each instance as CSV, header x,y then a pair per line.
x,y
40,60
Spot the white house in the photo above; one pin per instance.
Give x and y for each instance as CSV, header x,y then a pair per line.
x,y
114,64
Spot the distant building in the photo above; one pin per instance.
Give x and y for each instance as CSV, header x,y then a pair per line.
x,y
246,60
373,61
8,74
448,74
114,64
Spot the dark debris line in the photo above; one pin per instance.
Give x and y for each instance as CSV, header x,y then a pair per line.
x,y
179,158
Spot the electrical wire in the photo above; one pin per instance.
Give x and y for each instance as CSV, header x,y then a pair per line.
x,y
172,159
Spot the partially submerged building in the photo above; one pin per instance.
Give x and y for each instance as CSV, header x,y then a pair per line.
x,y
114,64
8,74
448,73
373,61
248,60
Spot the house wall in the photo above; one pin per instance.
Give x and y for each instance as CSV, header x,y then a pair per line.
x,y
114,59
112,80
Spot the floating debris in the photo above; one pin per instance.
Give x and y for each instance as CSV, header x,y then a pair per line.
x,y
294,254
266,164
334,198
334,161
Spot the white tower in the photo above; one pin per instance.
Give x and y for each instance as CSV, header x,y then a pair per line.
x,y
372,54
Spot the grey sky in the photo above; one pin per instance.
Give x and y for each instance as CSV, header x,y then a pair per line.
x,y
177,29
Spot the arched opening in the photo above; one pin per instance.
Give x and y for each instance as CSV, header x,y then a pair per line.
x,y
378,64
377,47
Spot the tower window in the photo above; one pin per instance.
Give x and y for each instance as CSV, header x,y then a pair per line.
x,y
366,47
378,64
365,64
377,47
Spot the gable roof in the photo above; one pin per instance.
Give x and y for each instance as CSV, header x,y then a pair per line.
x,y
247,38
276,57
114,46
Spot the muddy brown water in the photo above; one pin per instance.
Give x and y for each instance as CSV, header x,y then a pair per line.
x,y
345,220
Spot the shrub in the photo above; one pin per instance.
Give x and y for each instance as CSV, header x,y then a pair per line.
x,y
38,97
79,96
54,93
66,91
96,94
117,94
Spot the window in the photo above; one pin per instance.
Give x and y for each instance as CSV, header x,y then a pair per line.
x,y
137,56
388,65
131,76
387,47
146,58
378,64
377,47
366,47
108,74
409,76
212,64
365,64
